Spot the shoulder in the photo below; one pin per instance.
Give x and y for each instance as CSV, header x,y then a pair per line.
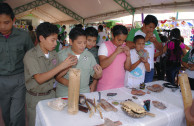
x,y
63,51
32,53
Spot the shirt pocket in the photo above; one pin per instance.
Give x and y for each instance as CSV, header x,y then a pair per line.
x,y
17,53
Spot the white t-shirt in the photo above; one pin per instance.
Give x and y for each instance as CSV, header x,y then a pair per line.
x,y
47,55
134,78
149,46
103,50
102,38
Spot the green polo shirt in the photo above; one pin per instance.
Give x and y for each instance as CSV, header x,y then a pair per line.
x,y
86,62
12,51
35,62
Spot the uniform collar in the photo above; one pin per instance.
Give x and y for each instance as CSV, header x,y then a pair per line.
x,y
41,54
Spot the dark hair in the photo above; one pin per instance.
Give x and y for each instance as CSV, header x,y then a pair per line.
x,y
100,27
46,29
137,37
119,29
182,39
75,32
91,31
164,39
150,19
79,26
30,27
6,9
175,37
64,26
175,33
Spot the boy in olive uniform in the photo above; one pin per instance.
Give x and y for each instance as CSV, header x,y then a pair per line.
x,y
86,63
14,43
41,66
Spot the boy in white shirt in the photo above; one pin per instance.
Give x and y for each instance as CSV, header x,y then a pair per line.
x,y
135,74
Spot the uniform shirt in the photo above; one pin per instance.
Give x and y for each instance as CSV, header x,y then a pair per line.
x,y
86,62
35,62
149,46
12,51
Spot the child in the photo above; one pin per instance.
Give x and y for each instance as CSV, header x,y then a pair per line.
x,y
41,66
14,43
135,74
91,36
152,41
102,36
174,49
188,62
86,63
113,56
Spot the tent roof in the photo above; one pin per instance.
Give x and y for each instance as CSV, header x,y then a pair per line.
x,y
74,11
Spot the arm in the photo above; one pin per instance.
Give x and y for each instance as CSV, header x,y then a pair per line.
x,y
158,54
43,77
61,79
106,61
147,66
93,85
98,71
133,66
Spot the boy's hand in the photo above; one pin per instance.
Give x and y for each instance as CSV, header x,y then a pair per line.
x,y
126,51
69,61
98,71
144,60
119,50
148,36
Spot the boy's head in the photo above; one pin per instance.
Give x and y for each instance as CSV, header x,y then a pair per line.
x,y
77,38
175,34
47,34
149,24
100,28
30,27
139,41
91,36
120,33
7,19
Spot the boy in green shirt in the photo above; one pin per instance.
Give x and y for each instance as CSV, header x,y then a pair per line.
x,y
86,63
41,66
14,43
91,36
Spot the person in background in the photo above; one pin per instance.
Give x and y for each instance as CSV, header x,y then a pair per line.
x,y
91,37
174,50
114,56
183,41
32,34
161,60
41,66
14,43
102,36
188,63
135,74
152,41
86,63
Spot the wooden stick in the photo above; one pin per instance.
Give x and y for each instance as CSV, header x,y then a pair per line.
x,y
99,109
150,114
91,112
95,104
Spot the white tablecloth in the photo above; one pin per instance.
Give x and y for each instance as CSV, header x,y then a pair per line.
x,y
173,115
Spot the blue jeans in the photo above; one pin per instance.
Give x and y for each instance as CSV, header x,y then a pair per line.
x,y
149,76
171,72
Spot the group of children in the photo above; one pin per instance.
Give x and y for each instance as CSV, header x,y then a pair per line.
x,y
115,64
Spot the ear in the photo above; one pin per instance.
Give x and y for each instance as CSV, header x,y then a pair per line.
x,y
41,38
70,42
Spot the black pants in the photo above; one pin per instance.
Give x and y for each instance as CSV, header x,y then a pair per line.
x,y
191,81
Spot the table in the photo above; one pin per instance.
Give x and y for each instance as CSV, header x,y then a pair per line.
x,y
173,115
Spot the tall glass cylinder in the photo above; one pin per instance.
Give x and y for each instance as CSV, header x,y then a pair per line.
x,y
73,90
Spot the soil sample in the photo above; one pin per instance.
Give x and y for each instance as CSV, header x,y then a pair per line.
x,y
73,90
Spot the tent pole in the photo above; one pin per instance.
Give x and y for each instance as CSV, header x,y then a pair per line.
x,y
133,20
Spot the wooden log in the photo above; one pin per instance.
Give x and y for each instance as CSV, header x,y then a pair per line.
x,y
73,90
